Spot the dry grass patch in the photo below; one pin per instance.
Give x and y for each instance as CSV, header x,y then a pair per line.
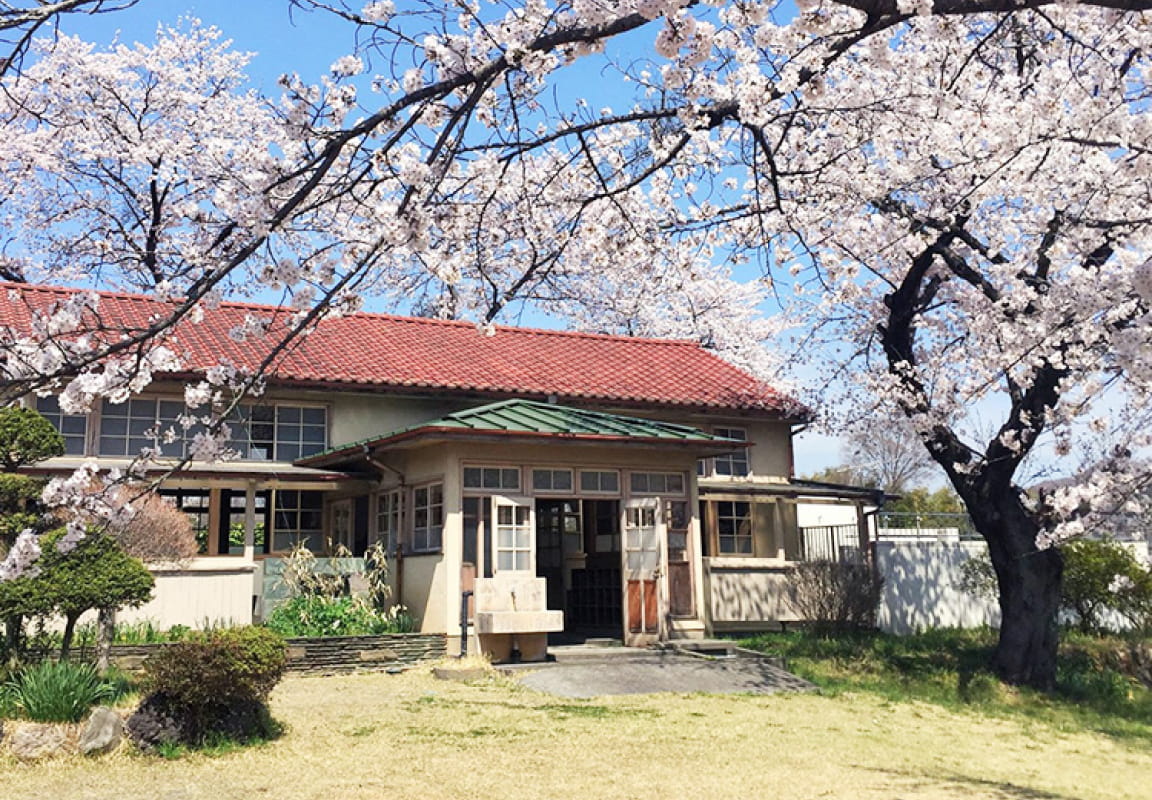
x,y
411,736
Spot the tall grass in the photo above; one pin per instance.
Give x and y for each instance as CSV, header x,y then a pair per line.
x,y
57,691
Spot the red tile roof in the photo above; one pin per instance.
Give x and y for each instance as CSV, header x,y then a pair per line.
x,y
379,351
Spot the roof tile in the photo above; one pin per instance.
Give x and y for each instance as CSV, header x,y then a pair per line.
x,y
382,351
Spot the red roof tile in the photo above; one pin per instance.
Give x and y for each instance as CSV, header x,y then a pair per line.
x,y
380,351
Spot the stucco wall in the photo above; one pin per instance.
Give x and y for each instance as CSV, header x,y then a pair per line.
x,y
746,593
207,591
921,587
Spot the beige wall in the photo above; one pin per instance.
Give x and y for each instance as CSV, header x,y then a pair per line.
x,y
206,591
746,594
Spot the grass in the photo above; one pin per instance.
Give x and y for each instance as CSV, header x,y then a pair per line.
x,y
948,668
410,736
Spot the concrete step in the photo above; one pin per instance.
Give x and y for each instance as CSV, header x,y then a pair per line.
x,y
596,652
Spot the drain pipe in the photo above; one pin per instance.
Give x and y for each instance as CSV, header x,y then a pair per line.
x,y
464,622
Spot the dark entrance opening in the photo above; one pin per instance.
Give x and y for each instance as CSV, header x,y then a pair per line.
x,y
578,553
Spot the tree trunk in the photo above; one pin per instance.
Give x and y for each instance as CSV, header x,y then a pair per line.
x,y
13,644
66,641
105,631
1029,581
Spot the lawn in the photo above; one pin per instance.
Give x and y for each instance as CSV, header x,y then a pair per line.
x,y
410,736
950,668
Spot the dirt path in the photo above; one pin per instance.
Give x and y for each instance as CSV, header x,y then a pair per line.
x,y
395,737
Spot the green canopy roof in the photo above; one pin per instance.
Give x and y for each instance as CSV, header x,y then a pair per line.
x,y
529,418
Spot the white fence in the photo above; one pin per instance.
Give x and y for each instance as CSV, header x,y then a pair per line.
x,y
922,586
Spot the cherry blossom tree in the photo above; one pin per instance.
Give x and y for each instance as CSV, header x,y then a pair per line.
x,y
953,192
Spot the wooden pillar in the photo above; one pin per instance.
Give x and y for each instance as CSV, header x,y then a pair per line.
x,y
250,522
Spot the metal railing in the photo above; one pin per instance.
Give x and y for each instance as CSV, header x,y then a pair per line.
x,y
915,526
840,543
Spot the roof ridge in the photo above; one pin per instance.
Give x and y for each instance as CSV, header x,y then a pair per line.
x,y
381,315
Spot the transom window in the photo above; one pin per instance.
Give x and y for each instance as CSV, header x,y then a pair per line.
x,y
492,478
73,427
734,528
735,463
552,480
600,481
427,517
657,483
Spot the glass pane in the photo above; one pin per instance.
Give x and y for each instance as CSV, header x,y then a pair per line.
x,y
437,493
142,408
523,538
632,538
634,560
639,482
542,479
504,515
589,481
609,482
510,478
505,560
562,480
649,560
505,537
676,483
287,414
315,416
113,426
472,477
522,560
491,478
745,544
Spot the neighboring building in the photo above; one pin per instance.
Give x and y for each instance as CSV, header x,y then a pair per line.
x,y
646,483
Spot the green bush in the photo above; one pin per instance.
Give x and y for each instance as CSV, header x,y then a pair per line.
x,y
218,667
319,615
211,683
59,691
1102,575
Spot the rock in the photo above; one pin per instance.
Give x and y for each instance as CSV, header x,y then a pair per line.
x,y
156,722
35,741
378,655
102,733
461,674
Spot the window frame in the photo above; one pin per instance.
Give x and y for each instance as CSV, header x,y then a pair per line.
x,y
428,543
501,470
599,492
650,492
57,417
389,518
571,491
739,455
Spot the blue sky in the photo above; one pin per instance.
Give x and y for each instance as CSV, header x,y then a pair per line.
x,y
307,44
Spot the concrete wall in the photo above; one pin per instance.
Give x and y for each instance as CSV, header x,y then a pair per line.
x,y
921,587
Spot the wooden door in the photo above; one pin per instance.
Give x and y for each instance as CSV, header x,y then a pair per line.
x,y
642,558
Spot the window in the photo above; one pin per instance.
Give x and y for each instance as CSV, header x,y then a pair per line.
x,y
552,480
735,463
278,433
342,532
513,537
298,519
491,478
127,428
603,482
194,504
388,519
73,427
734,528
677,521
427,517
657,483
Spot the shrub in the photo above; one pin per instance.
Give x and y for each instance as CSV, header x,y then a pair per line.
x,y
157,532
26,436
1102,575
210,681
317,615
836,596
60,691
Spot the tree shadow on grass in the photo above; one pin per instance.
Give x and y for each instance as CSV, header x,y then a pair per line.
x,y
969,785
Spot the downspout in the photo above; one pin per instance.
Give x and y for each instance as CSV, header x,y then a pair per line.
x,y
380,465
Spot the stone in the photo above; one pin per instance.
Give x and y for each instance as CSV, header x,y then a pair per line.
x,y
129,663
35,741
378,655
102,733
461,674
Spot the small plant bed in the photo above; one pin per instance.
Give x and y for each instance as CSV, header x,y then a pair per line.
x,y
1096,691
